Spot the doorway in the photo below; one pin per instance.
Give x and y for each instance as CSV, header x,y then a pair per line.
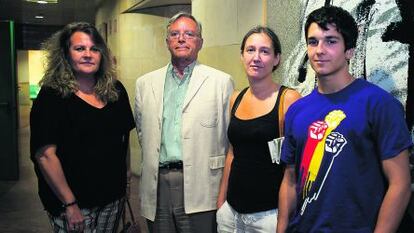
x,y
9,162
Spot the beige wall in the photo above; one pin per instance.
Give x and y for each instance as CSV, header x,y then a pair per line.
x,y
23,77
36,66
138,43
30,69
224,25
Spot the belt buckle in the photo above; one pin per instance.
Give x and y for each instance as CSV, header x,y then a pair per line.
x,y
173,165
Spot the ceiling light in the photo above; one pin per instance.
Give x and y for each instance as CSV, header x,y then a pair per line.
x,y
42,1
39,16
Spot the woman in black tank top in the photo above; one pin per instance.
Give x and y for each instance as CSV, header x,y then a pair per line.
x,y
249,188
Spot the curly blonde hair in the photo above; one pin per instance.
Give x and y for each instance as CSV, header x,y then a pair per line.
x,y
59,73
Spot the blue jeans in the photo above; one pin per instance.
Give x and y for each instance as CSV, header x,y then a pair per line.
x,y
230,221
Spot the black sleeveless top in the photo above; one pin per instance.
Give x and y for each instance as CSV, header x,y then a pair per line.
x,y
254,180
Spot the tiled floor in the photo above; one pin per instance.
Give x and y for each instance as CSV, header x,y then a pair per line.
x,y
20,207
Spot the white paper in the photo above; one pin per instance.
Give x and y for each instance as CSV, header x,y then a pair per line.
x,y
275,148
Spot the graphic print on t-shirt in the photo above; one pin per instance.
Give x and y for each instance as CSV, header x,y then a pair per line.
x,y
322,143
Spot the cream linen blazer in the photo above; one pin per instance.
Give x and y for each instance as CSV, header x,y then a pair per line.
x,y
205,118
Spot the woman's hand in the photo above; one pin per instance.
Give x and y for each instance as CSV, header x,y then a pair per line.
x,y
74,219
52,171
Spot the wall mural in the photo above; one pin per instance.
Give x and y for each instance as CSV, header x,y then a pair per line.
x,y
384,54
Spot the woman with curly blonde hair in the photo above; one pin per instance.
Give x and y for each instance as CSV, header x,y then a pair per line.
x,y
59,73
80,124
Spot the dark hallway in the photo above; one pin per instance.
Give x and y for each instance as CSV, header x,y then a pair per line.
x,y
20,208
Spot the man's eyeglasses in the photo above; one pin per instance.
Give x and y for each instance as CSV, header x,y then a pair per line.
x,y
187,35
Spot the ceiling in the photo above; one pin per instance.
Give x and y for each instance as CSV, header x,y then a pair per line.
x,y
31,32
61,13
66,11
142,5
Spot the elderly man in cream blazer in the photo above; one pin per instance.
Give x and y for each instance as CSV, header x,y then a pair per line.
x,y
182,116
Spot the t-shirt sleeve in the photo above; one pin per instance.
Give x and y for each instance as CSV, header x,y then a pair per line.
x,y
288,146
128,117
44,120
390,129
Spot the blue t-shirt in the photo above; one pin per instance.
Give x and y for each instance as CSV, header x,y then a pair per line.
x,y
337,143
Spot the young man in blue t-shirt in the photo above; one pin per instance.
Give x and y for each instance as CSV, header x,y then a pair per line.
x,y
346,144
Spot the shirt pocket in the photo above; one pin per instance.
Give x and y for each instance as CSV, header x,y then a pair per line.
x,y
217,162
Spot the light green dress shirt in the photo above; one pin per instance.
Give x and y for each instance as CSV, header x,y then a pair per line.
x,y
174,94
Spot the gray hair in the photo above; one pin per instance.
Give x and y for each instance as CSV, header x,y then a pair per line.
x,y
185,15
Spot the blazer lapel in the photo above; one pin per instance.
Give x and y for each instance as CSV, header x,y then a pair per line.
x,y
196,81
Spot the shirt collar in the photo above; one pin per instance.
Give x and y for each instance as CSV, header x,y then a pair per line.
x,y
187,72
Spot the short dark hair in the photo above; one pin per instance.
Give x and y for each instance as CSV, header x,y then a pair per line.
x,y
342,20
277,48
